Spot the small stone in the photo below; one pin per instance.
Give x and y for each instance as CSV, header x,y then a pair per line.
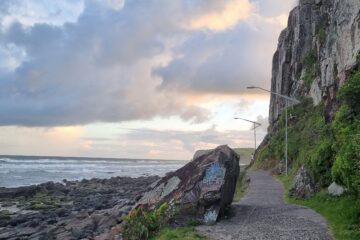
x,y
336,190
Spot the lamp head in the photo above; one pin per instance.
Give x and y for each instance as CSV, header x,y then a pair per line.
x,y
251,87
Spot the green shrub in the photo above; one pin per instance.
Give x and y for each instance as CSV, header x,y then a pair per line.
x,y
321,34
321,160
331,151
311,66
309,138
142,224
346,169
342,213
346,126
350,92
241,186
311,142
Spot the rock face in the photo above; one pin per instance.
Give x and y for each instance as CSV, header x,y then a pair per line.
x,y
316,52
303,185
199,153
202,189
336,190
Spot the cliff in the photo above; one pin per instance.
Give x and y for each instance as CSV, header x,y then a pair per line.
x,y
318,62
316,53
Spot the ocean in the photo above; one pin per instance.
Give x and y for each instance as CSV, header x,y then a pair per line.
x,y
18,171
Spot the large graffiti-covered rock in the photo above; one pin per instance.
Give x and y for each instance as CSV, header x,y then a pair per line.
x,y
203,188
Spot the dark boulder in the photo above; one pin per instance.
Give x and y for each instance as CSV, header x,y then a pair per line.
x,y
303,185
203,188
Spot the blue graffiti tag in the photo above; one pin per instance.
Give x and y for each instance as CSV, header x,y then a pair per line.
x,y
214,174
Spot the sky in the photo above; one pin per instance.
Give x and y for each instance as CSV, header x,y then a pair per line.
x,y
154,79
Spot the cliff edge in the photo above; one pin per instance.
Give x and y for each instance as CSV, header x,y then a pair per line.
x,y
316,53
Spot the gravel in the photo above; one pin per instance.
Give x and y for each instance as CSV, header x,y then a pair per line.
x,y
263,215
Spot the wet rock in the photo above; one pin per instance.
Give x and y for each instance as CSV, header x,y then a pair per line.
x,y
203,188
303,185
336,190
84,209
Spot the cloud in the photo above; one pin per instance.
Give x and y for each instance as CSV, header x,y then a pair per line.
x,y
79,62
264,121
30,12
225,62
274,8
221,20
183,144
97,69
125,142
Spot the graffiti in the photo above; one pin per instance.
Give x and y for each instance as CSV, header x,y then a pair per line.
x,y
214,175
210,216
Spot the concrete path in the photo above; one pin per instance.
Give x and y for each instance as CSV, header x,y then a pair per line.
x,y
263,215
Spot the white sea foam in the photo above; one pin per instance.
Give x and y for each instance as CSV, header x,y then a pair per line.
x,y
21,171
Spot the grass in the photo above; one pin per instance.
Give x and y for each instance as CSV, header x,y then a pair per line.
x,y
342,213
241,185
184,233
310,64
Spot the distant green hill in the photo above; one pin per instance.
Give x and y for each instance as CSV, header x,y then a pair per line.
x,y
245,154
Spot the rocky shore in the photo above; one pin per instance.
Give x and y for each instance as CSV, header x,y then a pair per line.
x,y
86,209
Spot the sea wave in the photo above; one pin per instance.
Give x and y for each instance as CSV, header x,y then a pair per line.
x,y
20,171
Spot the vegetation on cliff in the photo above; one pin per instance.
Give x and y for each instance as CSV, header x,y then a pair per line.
x,y
346,127
330,150
309,142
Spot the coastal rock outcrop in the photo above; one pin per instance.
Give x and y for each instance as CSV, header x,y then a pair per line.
x,y
315,53
86,209
303,185
203,188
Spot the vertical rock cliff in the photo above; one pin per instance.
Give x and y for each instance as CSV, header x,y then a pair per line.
x,y
316,53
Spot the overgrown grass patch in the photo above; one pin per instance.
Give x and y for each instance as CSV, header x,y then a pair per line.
x,y
311,67
183,233
242,185
309,142
342,213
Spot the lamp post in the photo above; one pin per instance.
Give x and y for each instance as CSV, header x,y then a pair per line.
x,y
256,125
287,99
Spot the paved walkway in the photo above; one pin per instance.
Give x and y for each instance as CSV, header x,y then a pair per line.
x,y
263,215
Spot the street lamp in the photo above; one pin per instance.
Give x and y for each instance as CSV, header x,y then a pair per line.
x,y
256,125
287,99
